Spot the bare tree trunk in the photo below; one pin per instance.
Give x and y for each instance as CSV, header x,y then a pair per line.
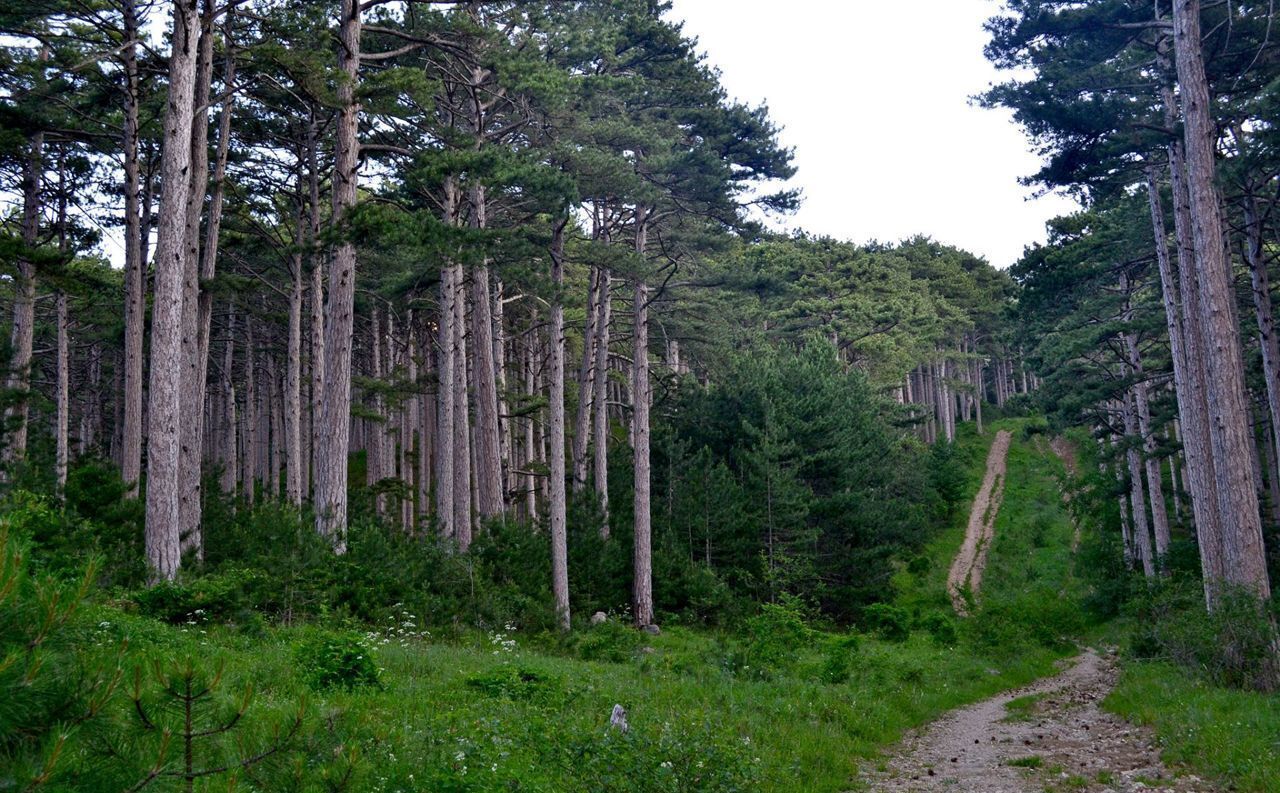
x,y
1137,493
444,398
64,396
275,397
190,399
331,475
600,400
558,524
1244,557
530,454
586,386
22,335
294,460
488,446
163,542
252,422
643,594
1255,258
230,451
134,263
1155,485
461,430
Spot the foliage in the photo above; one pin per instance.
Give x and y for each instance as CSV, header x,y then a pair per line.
x,y
47,691
336,660
1232,646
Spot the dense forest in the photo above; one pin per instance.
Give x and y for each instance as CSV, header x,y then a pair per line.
x,y
444,356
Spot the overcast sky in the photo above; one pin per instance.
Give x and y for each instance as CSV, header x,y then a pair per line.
x,y
874,96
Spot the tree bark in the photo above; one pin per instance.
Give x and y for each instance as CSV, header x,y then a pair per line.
x,y
643,556
162,540
134,264
64,398
600,404
586,386
444,399
1137,493
22,335
331,476
1244,558
558,522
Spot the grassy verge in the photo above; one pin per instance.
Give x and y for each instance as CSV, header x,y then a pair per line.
x,y
1224,733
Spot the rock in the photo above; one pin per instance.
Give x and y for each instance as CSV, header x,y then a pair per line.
x,y
599,618
618,719
652,630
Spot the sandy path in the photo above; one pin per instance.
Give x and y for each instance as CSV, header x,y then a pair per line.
x,y
970,562
1078,746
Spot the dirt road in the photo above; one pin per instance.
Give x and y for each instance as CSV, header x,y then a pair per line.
x,y
971,561
1053,738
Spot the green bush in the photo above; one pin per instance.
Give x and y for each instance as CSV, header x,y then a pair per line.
x,y
1233,646
889,622
336,660
611,641
772,638
225,597
837,662
942,627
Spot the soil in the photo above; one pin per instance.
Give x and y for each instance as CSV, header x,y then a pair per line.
x,y
965,578
1058,740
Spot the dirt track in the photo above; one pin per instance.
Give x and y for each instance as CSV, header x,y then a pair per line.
x,y
971,561
1059,740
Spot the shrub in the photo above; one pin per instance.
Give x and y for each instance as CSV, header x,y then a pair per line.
x,y
942,627
611,641
838,660
889,622
772,638
225,597
335,660
1232,646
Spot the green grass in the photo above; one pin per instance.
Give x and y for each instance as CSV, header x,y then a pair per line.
x,y
1228,734
527,713
1022,708
1034,761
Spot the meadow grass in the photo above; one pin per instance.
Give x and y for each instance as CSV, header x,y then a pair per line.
x,y
1227,734
511,711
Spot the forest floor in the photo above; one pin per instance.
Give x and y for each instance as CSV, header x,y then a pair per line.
x,y
965,578
1049,736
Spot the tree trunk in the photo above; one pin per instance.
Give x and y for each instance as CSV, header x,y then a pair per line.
x,y
444,398
461,430
230,450
558,525
163,542
1155,483
64,397
643,557
1137,493
1244,558
190,399
586,386
331,475
24,302
135,298
600,403
488,446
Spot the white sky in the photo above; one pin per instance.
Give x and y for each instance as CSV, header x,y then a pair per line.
x,y
874,97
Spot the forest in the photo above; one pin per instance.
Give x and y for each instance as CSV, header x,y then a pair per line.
x,y
416,395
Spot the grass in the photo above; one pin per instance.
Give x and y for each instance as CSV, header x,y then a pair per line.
x,y
1224,733
1022,708
521,712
